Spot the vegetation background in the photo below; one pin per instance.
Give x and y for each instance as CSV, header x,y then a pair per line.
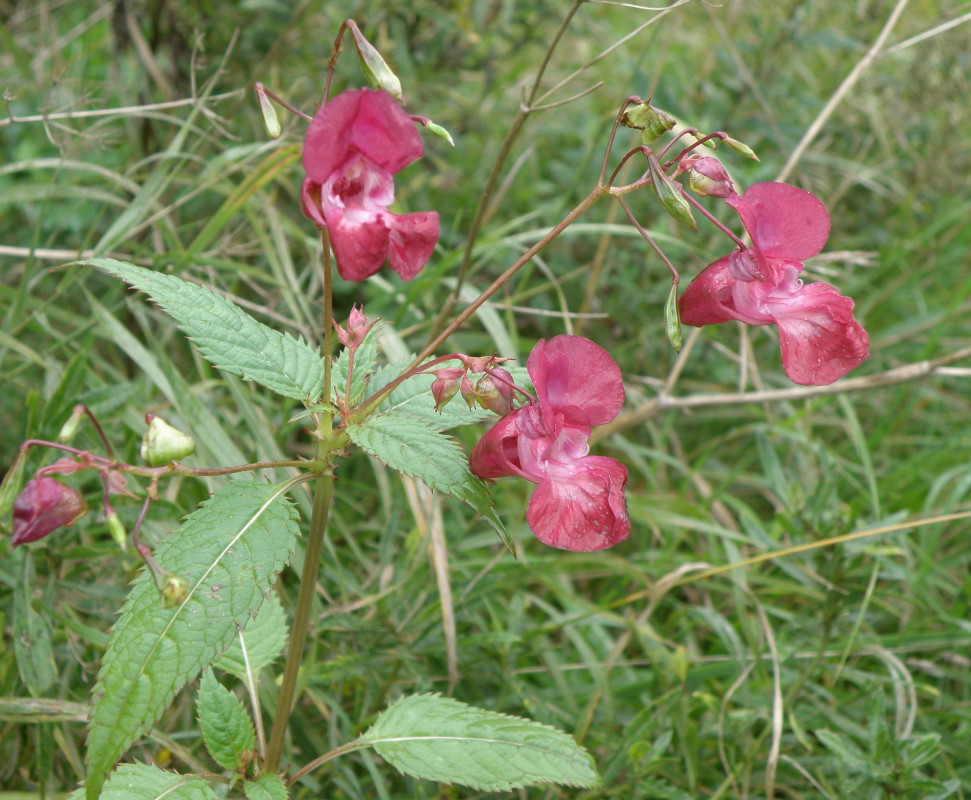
x,y
838,671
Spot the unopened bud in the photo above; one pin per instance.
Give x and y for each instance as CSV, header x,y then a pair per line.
x,y
468,392
163,444
651,122
270,118
740,147
375,68
117,530
440,132
446,385
44,505
69,428
357,328
669,193
174,590
494,391
706,176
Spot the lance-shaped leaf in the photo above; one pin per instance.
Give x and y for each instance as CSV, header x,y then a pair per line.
x,y
412,447
226,727
228,552
145,782
226,335
440,739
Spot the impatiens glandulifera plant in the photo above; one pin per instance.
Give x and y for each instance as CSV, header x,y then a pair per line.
x,y
208,583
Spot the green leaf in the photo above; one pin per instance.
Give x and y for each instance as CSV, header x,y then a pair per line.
x,y
259,643
228,551
266,787
145,782
226,335
440,739
226,727
413,447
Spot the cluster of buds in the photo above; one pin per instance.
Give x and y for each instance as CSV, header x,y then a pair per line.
x,y
46,504
494,391
358,327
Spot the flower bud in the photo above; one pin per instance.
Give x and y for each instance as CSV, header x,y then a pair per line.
x,y
706,176
740,147
375,68
446,385
69,428
117,530
270,118
44,505
163,444
440,132
468,392
494,393
651,122
358,327
672,319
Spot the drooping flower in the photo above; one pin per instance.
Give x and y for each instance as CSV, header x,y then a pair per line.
x,y
43,505
578,503
354,144
760,285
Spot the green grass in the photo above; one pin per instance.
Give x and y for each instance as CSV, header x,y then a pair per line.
x,y
839,671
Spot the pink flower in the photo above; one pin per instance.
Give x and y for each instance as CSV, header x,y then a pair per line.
x,y
354,144
760,285
43,505
579,500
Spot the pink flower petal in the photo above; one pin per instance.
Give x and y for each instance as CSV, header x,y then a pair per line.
x,y
366,120
820,339
586,511
708,299
784,221
411,242
360,248
310,202
577,378
496,454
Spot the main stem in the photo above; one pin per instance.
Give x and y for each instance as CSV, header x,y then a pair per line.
x,y
323,492
301,622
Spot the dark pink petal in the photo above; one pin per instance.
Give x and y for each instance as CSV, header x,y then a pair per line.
x,y
820,339
44,505
784,221
368,121
577,378
496,455
708,298
583,511
411,242
360,248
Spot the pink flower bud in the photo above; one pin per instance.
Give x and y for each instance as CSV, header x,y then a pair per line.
x,y
43,506
706,176
446,385
494,391
357,328
468,392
